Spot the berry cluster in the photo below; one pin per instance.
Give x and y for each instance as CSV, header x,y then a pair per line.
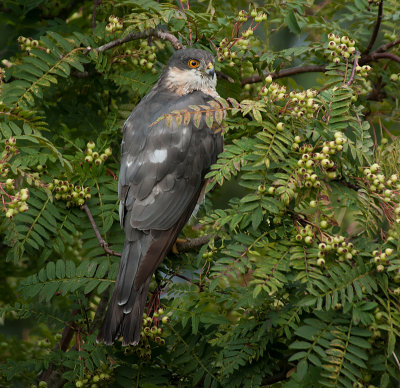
x,y
115,24
99,378
208,255
17,202
380,185
363,71
10,147
303,103
224,51
395,77
309,160
336,245
92,155
380,258
340,47
299,104
73,195
26,44
305,234
257,15
145,57
150,331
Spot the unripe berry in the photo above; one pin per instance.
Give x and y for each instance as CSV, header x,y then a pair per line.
x,y
321,262
280,126
308,240
268,79
323,224
388,251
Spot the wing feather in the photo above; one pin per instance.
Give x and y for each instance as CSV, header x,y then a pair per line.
x,y
164,171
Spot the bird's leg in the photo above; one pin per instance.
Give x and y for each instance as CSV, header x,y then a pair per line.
x,y
175,249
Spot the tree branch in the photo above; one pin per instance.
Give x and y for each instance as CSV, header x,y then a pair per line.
x,y
377,25
102,243
163,35
95,5
387,46
376,56
193,243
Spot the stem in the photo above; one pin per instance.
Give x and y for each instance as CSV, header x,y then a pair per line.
x,y
95,5
285,73
102,243
377,24
353,71
163,35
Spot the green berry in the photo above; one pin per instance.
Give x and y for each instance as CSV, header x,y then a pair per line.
x,y
323,224
308,240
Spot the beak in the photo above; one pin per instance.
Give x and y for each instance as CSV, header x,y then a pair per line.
x,y
210,70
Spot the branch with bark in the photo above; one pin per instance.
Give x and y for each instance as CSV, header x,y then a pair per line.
x,y
366,57
100,239
152,32
182,246
377,25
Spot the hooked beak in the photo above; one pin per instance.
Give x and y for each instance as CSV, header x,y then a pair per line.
x,y
210,70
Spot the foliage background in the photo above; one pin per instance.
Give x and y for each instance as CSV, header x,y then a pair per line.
x,y
253,298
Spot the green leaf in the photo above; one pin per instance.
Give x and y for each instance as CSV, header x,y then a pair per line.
x,y
291,21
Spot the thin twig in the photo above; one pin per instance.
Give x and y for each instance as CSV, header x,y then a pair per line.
x,y
377,24
222,75
376,56
163,35
285,73
387,46
353,70
95,5
396,359
102,243
178,275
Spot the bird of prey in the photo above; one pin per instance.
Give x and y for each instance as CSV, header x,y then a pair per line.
x,y
160,182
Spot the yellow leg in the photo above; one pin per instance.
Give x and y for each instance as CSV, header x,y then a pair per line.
x,y
175,248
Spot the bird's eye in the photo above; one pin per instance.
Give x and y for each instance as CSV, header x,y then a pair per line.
x,y
193,63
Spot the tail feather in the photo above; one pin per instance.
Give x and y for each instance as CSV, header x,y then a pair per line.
x,y
132,323
125,310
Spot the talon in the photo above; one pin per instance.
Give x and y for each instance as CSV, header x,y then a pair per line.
x,y
175,249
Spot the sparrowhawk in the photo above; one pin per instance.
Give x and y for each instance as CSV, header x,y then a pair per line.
x,y
160,182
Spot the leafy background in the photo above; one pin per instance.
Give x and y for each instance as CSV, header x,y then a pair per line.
x,y
289,277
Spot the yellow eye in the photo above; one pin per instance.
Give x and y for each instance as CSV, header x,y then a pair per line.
x,y
193,63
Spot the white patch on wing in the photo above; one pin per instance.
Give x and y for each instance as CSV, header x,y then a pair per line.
x,y
129,160
158,156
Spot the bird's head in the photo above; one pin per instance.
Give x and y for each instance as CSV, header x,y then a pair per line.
x,y
189,70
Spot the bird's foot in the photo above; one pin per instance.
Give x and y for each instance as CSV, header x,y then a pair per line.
x,y
175,246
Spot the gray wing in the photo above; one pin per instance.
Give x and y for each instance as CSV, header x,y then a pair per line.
x,y
162,167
